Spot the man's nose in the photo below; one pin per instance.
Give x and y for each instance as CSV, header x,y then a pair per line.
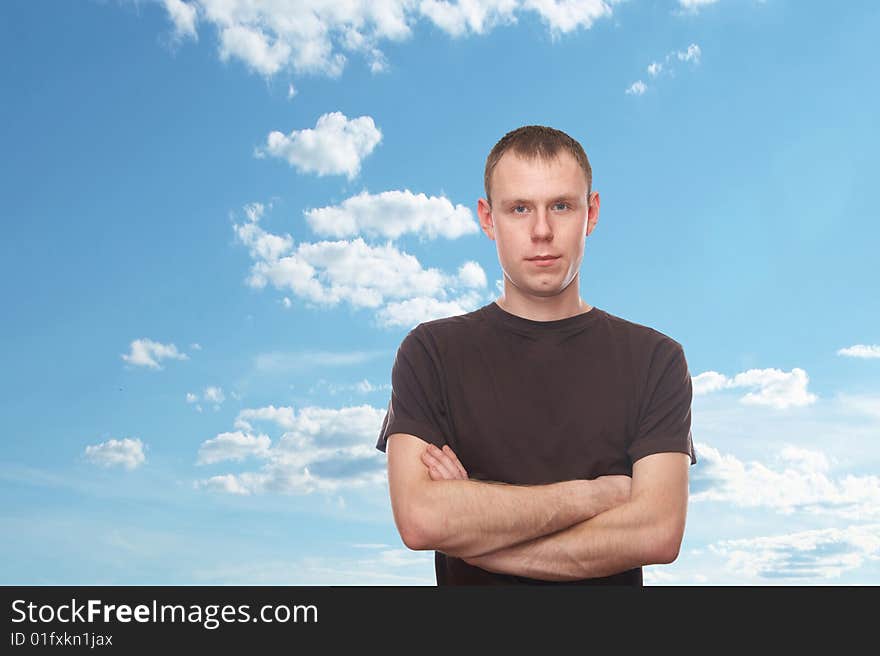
x,y
541,228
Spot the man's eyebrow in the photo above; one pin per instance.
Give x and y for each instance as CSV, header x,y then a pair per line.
x,y
571,198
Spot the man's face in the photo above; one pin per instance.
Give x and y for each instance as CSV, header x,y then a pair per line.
x,y
539,208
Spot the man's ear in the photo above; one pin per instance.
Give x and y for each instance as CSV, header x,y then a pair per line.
x,y
592,211
484,212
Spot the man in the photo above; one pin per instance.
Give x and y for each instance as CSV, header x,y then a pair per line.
x,y
539,439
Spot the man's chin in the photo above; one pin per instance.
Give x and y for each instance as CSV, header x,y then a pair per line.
x,y
541,292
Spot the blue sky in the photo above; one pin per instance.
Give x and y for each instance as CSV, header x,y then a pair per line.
x,y
188,329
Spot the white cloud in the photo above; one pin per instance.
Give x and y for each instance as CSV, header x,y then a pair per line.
x,y
801,482
195,346
361,387
806,555
277,362
667,66
211,394
709,381
255,211
336,145
283,416
471,274
805,459
214,395
365,387
260,51
861,404
263,245
379,63
321,449
184,17
330,272
223,483
355,41
692,54
382,278
695,5
774,388
307,34
233,446
654,575
127,452
861,351
411,312
637,88
568,15
399,566
310,36
775,472
845,425
291,92
147,353
391,214
355,426
475,17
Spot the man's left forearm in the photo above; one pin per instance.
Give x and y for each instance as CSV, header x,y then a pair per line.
x,y
619,539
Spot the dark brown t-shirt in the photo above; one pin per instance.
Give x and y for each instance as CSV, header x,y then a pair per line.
x,y
533,402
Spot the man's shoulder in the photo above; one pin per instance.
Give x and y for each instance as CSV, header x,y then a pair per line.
x,y
639,332
445,326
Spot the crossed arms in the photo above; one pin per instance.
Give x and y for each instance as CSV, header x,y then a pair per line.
x,y
558,532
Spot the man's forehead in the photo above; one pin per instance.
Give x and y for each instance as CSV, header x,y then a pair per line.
x,y
538,176
512,159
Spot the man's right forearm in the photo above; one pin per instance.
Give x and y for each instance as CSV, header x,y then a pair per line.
x,y
467,518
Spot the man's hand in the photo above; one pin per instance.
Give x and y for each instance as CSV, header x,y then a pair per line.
x,y
443,464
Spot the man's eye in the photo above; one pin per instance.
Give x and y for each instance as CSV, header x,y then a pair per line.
x,y
517,207
564,205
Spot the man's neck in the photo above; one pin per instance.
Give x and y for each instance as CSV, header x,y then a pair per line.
x,y
543,308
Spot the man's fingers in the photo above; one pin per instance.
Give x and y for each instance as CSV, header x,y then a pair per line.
x,y
451,454
434,474
446,461
444,465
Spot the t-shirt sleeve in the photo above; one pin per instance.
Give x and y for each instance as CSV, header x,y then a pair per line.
x,y
416,406
665,413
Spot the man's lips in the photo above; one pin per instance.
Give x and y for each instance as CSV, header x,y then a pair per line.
x,y
545,262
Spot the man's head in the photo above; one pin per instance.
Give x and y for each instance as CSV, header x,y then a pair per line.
x,y
538,202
